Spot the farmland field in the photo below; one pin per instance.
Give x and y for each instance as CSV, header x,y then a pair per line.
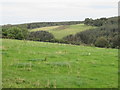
x,y
61,31
30,64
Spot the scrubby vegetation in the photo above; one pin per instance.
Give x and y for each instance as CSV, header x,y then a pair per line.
x,y
101,42
107,29
15,33
40,36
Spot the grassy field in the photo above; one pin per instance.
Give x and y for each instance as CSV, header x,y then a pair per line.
x,y
61,31
29,64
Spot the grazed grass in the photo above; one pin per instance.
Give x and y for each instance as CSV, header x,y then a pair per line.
x,y
61,31
46,65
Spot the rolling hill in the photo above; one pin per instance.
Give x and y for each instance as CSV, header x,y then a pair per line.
x,y
37,64
30,64
63,30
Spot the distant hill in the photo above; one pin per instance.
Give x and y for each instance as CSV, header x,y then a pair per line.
x,y
90,31
44,24
63,30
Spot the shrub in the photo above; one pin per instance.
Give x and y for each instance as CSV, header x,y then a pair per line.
x,y
40,36
101,42
115,42
15,33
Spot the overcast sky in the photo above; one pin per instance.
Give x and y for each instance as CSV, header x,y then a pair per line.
x,y
26,11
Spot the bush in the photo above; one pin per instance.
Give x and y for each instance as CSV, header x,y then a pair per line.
x,y
101,42
15,33
40,36
116,42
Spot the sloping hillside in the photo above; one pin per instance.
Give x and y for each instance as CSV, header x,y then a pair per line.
x,y
28,64
61,31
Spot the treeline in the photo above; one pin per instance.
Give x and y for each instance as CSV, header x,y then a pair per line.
x,y
24,34
101,21
96,22
21,31
42,24
106,35
15,33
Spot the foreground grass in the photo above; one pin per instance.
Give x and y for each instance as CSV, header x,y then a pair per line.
x,y
61,31
28,64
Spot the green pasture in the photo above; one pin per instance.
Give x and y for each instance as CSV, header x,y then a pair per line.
x,y
61,31
30,64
